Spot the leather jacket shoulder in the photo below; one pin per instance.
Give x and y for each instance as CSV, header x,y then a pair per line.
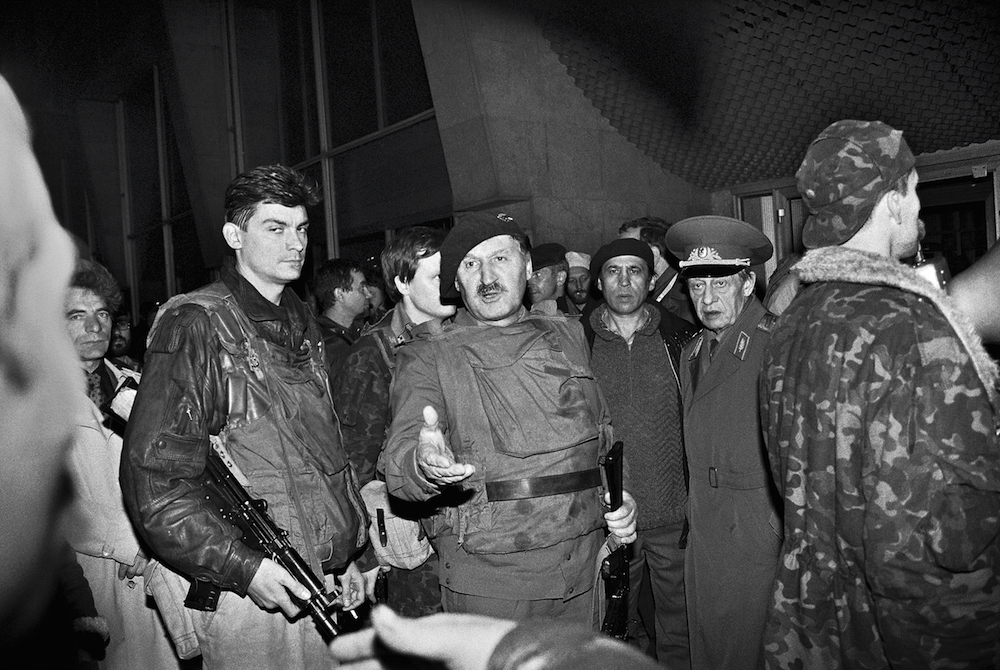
x,y
176,409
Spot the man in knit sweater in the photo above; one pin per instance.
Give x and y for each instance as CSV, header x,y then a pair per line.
x,y
635,359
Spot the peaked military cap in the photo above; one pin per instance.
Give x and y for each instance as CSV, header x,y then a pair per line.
x,y
716,245
845,172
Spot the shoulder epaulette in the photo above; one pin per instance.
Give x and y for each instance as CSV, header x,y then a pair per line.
x,y
767,322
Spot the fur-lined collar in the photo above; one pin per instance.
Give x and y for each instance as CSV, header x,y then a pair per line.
x,y
860,267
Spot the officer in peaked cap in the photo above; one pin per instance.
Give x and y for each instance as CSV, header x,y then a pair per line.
x,y
733,543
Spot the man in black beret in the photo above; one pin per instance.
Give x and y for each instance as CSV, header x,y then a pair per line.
x,y
735,528
635,356
549,271
499,423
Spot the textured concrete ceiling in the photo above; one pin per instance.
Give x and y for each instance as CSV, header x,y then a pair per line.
x,y
719,93
729,93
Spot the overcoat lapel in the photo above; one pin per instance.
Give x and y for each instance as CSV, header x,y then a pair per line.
x,y
726,361
689,371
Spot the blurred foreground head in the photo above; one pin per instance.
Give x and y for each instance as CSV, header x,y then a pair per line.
x,y
40,381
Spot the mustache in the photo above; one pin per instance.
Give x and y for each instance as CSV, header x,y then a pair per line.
x,y
496,286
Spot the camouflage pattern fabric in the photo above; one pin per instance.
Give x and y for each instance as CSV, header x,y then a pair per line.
x,y
845,172
415,592
361,397
882,431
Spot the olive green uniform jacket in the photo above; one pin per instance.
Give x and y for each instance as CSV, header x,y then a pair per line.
x,y
517,402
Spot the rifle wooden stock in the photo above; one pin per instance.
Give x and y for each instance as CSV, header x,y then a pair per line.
x,y
615,568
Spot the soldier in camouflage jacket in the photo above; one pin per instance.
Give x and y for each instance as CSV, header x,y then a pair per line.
x,y
410,265
882,418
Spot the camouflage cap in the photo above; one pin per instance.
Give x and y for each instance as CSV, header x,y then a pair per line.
x,y
845,172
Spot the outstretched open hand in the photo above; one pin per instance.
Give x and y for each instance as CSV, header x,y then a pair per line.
x,y
434,457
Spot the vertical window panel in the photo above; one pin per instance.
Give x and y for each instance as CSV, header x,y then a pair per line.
x,y
350,70
405,91
189,262
257,68
299,113
141,147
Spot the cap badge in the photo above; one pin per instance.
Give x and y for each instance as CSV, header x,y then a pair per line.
x,y
505,217
704,254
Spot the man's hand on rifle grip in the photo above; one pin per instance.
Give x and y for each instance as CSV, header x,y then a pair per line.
x,y
272,588
622,521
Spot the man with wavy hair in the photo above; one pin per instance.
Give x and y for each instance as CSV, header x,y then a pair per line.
x,y
240,363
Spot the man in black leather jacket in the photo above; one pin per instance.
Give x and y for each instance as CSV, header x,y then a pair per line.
x,y
240,363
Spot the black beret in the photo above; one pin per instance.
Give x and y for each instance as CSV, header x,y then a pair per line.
x,y
470,229
544,255
626,246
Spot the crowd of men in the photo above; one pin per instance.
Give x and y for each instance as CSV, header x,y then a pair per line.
x,y
819,489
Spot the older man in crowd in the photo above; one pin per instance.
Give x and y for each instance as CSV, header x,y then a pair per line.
x,y
115,563
735,528
882,418
499,421
668,288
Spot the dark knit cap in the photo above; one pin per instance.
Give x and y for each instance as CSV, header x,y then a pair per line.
x,y
470,229
620,247
845,172
544,255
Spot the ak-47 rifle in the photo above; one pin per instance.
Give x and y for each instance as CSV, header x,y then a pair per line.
x,y
259,531
614,569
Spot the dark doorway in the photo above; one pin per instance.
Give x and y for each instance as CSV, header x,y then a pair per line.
x,y
958,218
